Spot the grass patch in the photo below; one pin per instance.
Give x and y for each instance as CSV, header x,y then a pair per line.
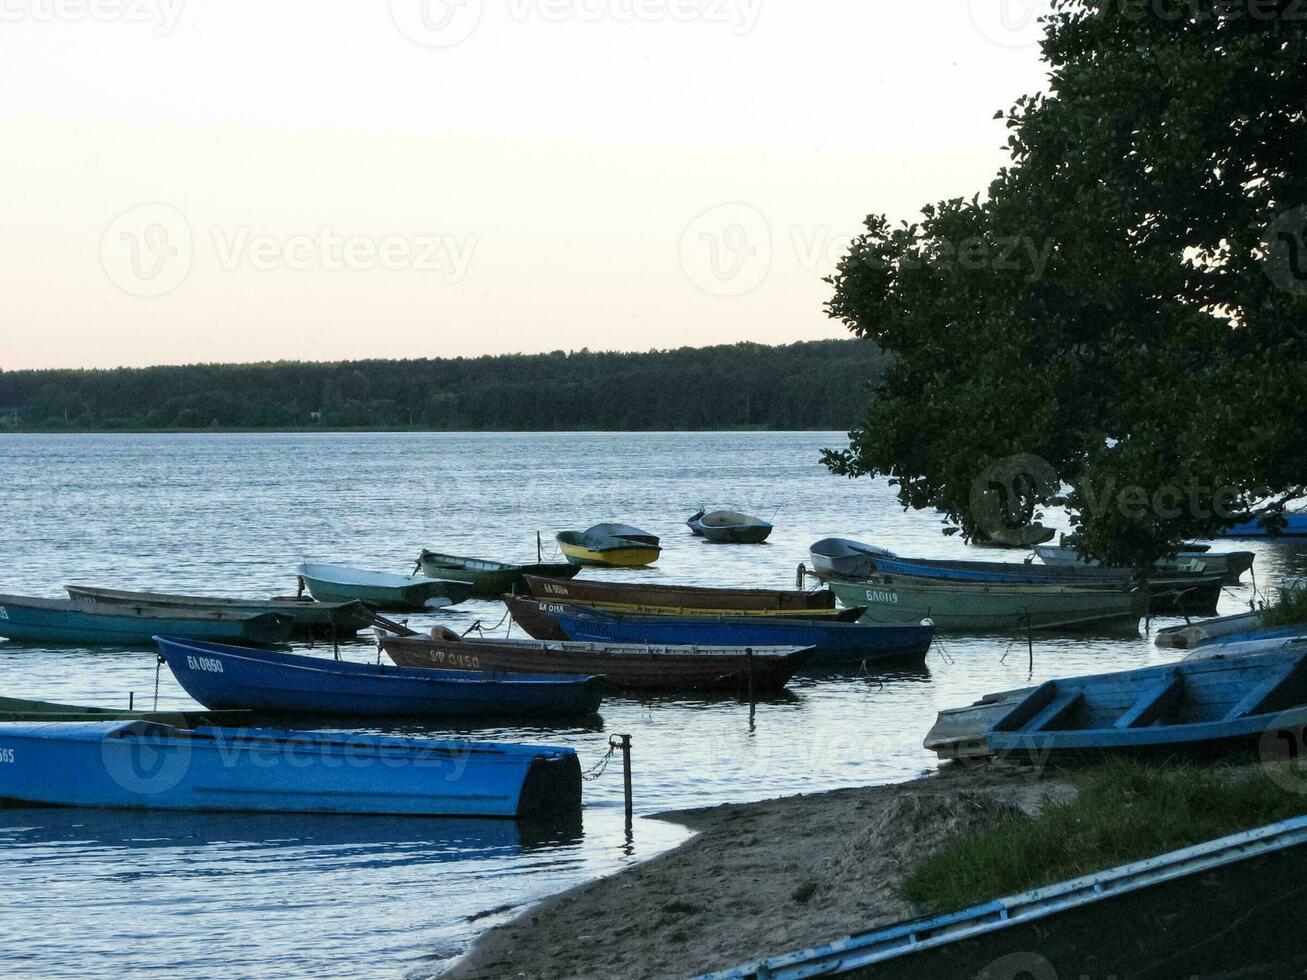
x,y
1123,811
1289,610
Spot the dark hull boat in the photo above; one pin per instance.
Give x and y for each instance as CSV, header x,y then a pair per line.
x,y
76,622
680,597
21,709
140,765
634,668
1205,705
489,579
310,619
833,643
232,677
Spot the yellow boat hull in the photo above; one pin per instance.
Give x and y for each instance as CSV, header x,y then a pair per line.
x,y
632,557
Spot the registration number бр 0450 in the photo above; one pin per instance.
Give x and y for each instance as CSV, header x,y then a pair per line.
x,y
877,595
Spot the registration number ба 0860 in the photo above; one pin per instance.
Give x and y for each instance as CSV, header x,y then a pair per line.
x,y
876,595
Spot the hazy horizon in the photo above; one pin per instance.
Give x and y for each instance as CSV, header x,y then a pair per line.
x,y
431,179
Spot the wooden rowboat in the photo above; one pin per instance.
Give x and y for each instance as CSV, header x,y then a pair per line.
x,y
382,590
587,592
21,709
628,667
141,765
489,579
613,545
730,527
310,619
72,621
220,676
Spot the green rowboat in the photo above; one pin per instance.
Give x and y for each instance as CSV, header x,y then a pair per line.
x,y
489,579
21,709
382,590
976,607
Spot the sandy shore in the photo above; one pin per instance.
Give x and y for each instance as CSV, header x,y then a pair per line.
x,y
758,879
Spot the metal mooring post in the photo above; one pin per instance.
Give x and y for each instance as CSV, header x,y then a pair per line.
x,y
748,667
626,775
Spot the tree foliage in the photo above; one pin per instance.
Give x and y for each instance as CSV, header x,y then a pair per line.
x,y
1127,303
815,385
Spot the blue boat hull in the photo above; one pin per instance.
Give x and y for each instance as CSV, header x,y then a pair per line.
x,y
150,766
1295,527
834,644
93,624
284,683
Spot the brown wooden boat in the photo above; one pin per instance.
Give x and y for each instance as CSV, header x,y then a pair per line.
x,y
627,667
678,598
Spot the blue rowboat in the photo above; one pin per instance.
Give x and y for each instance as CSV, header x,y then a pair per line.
x,y
1194,704
234,677
73,621
833,643
140,764
1295,527
1230,907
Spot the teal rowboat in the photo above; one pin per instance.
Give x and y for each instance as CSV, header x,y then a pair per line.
x,y
979,607
311,619
489,579
71,621
380,590
21,709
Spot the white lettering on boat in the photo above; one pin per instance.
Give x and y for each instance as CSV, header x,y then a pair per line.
x,y
4,613
551,607
206,664
876,595
555,589
6,755
455,659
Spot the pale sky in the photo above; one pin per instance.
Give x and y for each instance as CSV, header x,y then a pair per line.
x,y
194,180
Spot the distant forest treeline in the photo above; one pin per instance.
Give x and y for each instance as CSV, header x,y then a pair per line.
x,y
814,385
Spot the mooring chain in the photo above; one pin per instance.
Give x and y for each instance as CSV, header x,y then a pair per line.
x,y
600,767
158,666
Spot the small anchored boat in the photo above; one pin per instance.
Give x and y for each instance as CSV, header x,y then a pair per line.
x,y
143,765
636,668
844,558
382,590
309,618
833,643
220,676
489,579
613,545
74,621
729,527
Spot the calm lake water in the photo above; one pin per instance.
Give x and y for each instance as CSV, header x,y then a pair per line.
x,y
90,892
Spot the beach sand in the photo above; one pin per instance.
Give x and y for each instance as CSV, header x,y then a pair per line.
x,y
758,879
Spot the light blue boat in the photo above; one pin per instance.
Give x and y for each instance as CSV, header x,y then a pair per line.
x,y
26,619
145,765
286,683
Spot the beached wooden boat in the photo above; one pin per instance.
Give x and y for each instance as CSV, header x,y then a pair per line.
x,y
21,709
960,733
1229,564
681,598
1197,704
100,764
220,676
310,619
1224,908
730,527
612,545
833,644
25,619
1182,589
382,590
844,558
489,579
635,668
981,607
